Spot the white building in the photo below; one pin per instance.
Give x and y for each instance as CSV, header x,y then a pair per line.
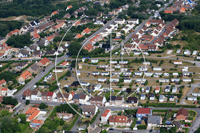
x,y
138,73
97,87
177,62
161,98
94,60
187,80
157,69
148,74
163,80
187,52
114,80
192,98
102,80
142,97
142,69
127,80
105,116
174,89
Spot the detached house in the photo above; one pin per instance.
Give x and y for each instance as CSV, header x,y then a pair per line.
x,y
36,95
143,112
133,101
23,77
182,114
57,27
44,62
2,82
86,31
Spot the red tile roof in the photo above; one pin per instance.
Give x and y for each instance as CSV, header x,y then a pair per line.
x,y
70,6
157,88
26,75
27,92
143,111
37,121
55,12
49,38
44,60
106,113
65,63
88,47
78,36
50,94
31,110
118,119
2,81
87,30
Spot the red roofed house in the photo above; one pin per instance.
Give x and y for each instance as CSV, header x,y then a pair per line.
x,y
78,36
177,62
51,96
182,9
23,77
88,47
119,121
105,116
65,63
32,113
147,38
182,114
168,10
44,62
157,90
148,47
54,13
57,27
86,31
27,94
143,112
2,82
14,32
50,38
36,124
3,91
69,7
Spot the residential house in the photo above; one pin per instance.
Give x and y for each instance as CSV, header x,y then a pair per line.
x,y
78,36
105,116
179,125
67,97
171,98
36,124
98,100
143,112
67,15
134,21
44,62
86,31
89,47
57,27
34,68
157,90
161,98
120,21
32,113
23,77
37,53
119,121
2,82
43,42
93,128
174,89
153,121
36,95
27,94
177,62
192,98
89,110
182,114
50,96
23,53
142,97
152,97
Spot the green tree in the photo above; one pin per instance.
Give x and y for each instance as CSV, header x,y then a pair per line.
x,y
43,106
23,118
68,74
27,102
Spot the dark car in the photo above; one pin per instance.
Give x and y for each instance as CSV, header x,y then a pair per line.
x,y
111,129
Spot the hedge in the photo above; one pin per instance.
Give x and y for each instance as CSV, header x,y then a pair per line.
x,y
167,105
142,126
72,124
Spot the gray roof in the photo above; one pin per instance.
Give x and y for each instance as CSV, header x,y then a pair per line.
x,y
178,124
96,130
41,42
154,119
89,108
34,67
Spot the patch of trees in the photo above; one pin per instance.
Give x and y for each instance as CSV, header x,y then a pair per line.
x,y
43,106
7,26
8,76
118,3
9,125
19,41
67,108
9,101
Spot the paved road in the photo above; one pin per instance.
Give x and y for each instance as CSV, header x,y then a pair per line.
x,y
98,31
30,85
